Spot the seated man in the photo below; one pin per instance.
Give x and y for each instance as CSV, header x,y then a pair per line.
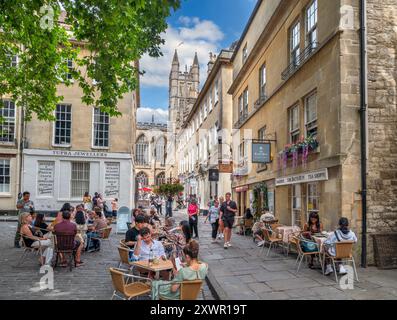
x,y
69,228
131,236
94,232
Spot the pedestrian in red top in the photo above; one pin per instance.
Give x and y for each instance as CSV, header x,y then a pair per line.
x,y
193,211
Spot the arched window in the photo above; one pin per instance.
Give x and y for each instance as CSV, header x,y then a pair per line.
x,y
160,179
142,180
142,151
160,151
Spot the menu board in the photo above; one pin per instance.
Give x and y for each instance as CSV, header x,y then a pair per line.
x,y
45,178
112,179
123,216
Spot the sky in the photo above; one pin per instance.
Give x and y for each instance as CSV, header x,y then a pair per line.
x,y
201,26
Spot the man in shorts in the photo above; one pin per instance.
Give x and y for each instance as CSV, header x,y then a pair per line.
x,y
227,213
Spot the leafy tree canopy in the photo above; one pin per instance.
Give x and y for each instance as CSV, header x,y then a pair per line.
x,y
116,33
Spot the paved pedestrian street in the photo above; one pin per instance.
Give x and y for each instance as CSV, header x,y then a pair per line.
x,y
89,282
241,273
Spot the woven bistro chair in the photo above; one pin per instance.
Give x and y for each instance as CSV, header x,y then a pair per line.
x,y
271,240
344,253
124,257
29,250
104,235
247,226
140,287
302,254
189,290
122,244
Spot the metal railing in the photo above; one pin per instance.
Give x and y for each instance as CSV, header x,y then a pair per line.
x,y
241,119
258,103
300,60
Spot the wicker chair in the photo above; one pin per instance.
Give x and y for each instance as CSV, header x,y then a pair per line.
x,y
302,254
344,253
104,235
189,290
128,290
64,245
122,244
124,257
29,250
271,239
247,226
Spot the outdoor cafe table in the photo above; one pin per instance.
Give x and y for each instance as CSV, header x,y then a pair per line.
x,y
285,231
320,239
161,266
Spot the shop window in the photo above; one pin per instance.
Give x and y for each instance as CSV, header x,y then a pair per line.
x,y
313,198
296,204
80,181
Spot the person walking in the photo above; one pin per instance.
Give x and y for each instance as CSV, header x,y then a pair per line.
x,y
213,217
23,205
228,212
169,206
221,226
193,210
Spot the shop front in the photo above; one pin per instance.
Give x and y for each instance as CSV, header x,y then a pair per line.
x,y
262,197
301,194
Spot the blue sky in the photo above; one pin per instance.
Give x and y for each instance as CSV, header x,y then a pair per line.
x,y
199,25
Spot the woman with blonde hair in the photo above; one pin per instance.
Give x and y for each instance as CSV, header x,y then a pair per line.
x,y
221,226
32,241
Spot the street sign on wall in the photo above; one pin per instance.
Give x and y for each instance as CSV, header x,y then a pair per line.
x,y
225,167
261,152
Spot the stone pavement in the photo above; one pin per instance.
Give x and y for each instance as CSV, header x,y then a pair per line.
x,y
241,273
89,282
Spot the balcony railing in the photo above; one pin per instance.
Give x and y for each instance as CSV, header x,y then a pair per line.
x,y
300,60
258,103
241,119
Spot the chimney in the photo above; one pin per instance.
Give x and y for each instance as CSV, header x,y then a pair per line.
x,y
211,62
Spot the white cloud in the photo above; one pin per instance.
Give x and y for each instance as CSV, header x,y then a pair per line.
x,y
145,115
201,36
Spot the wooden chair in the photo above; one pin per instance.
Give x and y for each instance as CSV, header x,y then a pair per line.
x,y
64,245
26,250
344,253
189,290
271,239
124,257
104,235
247,226
122,244
128,290
292,240
302,254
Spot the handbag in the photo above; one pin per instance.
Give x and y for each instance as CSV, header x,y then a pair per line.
x,y
308,246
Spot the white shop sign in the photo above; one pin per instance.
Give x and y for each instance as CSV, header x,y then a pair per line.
x,y
319,175
112,179
45,178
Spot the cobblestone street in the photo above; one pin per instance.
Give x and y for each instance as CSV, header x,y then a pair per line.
x,y
89,282
241,273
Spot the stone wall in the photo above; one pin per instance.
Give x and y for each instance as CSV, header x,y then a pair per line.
x,y
382,117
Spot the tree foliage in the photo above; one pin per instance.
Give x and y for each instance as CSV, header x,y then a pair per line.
x,y
169,189
116,33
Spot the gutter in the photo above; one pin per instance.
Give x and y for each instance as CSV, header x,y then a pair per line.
x,y
363,126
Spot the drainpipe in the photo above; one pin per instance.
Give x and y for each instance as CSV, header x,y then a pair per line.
x,y
363,126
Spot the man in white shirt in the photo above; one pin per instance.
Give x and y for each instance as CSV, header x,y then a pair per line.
x,y
146,248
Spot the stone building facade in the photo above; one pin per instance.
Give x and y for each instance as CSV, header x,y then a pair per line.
x,y
296,89
150,155
205,137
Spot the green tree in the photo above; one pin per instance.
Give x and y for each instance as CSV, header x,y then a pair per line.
x,y
117,33
169,189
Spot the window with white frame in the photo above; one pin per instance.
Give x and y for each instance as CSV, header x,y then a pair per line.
x,y
142,180
245,102
241,152
295,43
294,124
210,101
240,107
296,205
261,137
245,53
101,129
69,64
205,109
80,179
311,25
13,60
216,95
142,151
160,151
313,198
4,176
7,127
262,81
63,125
311,115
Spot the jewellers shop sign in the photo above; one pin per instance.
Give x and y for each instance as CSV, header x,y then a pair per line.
x,y
82,154
319,175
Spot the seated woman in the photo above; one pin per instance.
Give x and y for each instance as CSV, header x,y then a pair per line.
x,y
311,227
40,227
33,242
179,239
194,270
82,228
343,233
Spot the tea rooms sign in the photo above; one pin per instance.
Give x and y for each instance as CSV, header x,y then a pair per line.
x,y
319,175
